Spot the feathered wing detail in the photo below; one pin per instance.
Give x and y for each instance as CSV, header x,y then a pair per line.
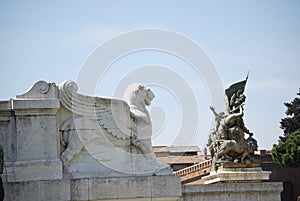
x,y
117,119
112,114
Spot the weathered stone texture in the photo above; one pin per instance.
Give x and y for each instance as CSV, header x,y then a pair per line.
x,y
130,188
52,190
139,188
264,191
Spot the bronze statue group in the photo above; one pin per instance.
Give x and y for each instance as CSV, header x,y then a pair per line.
x,y
227,142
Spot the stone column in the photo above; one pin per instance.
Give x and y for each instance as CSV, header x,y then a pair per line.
x,y
37,143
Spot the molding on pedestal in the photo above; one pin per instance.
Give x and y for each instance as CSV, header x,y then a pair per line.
x,y
237,173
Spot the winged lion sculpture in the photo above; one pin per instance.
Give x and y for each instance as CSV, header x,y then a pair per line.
x,y
114,132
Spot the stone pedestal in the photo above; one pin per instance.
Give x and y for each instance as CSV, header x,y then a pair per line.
x,y
229,172
262,191
34,154
127,188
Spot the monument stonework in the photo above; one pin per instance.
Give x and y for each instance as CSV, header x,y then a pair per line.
x,y
59,144
103,137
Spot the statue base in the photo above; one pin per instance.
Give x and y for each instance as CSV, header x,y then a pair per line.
x,y
158,188
85,166
233,173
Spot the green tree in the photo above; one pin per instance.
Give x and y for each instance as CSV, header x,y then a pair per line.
x,y
292,122
287,151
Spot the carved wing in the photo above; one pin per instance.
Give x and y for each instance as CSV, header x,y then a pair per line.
x,y
112,114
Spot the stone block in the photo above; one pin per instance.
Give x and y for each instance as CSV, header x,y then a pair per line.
x,y
127,188
79,189
131,188
237,173
33,153
53,190
263,191
36,170
28,104
36,138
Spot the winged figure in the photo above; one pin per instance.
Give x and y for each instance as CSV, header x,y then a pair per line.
x,y
115,132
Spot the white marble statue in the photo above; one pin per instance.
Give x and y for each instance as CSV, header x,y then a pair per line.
x,y
111,134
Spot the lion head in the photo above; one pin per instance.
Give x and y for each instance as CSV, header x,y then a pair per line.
x,y
138,95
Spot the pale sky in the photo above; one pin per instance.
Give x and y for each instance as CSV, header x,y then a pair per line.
x,y
51,40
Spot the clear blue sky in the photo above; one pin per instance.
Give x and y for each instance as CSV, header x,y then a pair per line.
x,y
50,40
